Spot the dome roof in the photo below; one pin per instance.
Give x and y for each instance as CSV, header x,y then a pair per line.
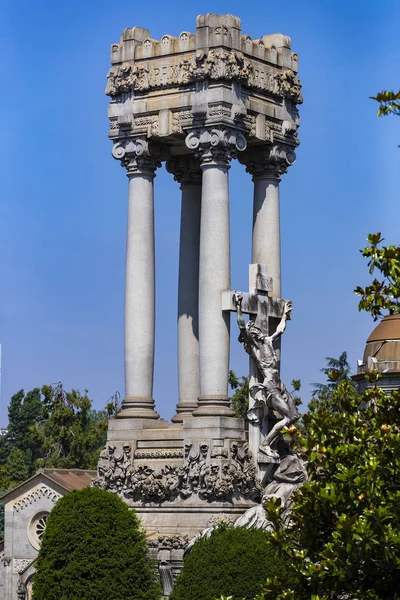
x,y
383,345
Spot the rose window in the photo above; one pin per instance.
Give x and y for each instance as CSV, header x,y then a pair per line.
x,y
36,529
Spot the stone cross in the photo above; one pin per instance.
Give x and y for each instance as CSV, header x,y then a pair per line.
x,y
266,313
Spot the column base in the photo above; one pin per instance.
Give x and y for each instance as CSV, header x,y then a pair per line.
x,y
211,405
138,407
184,411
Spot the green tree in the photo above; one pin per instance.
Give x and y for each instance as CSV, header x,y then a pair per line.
x,y
336,371
24,412
70,434
16,470
344,533
232,561
383,294
94,548
240,398
389,103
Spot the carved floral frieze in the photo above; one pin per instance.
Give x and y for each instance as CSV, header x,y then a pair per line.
x,y
210,475
170,542
212,65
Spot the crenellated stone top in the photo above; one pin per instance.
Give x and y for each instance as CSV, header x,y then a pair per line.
x,y
212,31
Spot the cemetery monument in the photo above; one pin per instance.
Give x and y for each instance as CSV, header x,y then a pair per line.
x,y
196,102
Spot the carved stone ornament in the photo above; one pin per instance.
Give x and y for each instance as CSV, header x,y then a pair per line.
x,y
289,475
21,564
125,77
158,453
202,475
269,160
288,85
169,542
216,144
139,155
214,65
185,169
43,491
21,591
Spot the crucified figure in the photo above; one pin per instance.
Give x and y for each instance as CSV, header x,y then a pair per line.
x,y
272,391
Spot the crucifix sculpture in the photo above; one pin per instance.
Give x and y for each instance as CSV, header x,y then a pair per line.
x,y
267,322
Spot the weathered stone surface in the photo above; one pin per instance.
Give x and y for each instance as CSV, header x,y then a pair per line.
x,y
209,473
197,101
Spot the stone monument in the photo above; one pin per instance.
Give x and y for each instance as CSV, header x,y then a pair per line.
x,y
196,102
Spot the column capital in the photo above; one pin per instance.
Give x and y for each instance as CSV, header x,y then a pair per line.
x,y
140,156
216,146
185,169
268,161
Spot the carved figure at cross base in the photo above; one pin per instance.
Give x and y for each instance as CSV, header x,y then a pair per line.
x,y
271,393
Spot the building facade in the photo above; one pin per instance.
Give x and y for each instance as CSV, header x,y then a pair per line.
x,y
26,509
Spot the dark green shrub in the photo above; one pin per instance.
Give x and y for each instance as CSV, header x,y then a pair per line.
x,y
231,562
93,548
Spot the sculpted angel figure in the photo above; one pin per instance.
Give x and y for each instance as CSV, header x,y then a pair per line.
x,y
271,393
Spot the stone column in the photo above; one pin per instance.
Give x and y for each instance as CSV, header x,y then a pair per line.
x,y
215,147
186,170
267,164
140,280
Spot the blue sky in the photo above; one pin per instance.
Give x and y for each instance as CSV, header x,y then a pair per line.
x,y
63,201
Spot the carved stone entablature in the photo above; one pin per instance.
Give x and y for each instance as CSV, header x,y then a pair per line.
x,y
21,564
208,474
268,160
185,169
212,65
169,542
215,78
216,144
43,491
139,155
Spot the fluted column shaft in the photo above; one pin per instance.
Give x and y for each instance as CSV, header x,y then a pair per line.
x,y
187,172
139,282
